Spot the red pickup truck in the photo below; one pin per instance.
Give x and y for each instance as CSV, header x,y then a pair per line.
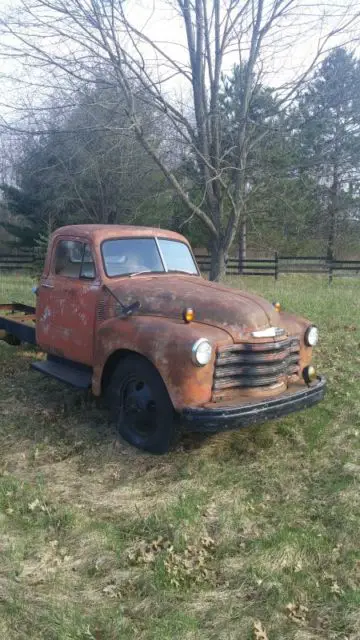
x,y
124,311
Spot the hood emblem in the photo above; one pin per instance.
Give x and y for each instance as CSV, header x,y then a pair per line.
x,y
271,332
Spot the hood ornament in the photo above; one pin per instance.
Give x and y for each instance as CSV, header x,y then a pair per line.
x,y
271,332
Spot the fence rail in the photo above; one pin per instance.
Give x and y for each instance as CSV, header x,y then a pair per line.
x,y
278,265
272,267
16,261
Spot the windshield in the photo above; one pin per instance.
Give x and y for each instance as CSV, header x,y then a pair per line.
x,y
140,255
177,256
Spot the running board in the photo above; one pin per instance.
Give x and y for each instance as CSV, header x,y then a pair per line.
x,y
71,373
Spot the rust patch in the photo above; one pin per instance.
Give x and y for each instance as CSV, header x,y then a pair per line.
x,y
235,312
78,320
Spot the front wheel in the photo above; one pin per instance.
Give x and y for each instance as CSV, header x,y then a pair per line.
x,y
141,407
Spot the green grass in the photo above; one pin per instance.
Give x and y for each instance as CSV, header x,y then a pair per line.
x,y
101,542
17,288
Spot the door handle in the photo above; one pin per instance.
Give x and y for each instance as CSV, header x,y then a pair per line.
x,y
48,286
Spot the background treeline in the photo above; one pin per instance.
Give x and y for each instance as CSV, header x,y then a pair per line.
x,y
83,163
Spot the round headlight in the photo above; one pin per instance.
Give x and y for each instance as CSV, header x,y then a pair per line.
x,y
309,374
311,336
201,352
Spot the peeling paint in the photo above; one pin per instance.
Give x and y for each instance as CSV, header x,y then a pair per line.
x,y
83,322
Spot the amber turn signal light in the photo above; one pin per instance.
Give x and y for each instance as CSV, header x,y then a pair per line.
x,y
188,315
309,374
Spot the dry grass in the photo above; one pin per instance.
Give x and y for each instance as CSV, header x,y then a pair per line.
x,y
101,542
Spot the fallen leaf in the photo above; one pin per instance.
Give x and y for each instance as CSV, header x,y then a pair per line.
x,y
32,505
298,566
53,543
297,612
207,542
259,631
336,589
111,591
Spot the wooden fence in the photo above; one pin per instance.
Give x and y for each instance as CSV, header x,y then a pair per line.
x,y
274,267
285,264
253,267
16,261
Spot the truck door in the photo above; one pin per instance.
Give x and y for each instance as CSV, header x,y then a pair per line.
x,y
67,301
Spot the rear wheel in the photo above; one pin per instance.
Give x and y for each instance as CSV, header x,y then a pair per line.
x,y
141,407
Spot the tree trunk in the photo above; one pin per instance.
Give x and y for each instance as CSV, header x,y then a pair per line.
x,y
242,245
332,211
218,262
111,217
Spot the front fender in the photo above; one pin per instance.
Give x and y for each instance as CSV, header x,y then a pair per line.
x,y
167,344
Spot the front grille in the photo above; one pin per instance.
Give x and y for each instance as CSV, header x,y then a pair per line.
x,y
256,364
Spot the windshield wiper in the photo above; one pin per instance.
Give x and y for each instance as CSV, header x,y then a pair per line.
x,y
188,273
138,273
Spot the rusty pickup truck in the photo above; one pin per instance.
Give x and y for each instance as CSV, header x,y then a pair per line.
x,y
124,310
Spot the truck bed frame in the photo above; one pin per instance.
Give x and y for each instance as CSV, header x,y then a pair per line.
x,y
18,321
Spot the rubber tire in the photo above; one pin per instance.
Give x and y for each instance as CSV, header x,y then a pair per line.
x,y
167,431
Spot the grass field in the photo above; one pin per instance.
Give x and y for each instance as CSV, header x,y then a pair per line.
x,y
252,534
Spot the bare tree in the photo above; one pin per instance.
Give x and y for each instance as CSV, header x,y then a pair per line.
x,y
78,37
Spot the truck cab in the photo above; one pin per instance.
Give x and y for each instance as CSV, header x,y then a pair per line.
x,y
125,311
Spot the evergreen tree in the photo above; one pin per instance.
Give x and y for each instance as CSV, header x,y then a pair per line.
x,y
280,203
327,125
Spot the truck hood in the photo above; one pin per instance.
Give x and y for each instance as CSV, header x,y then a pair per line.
x,y
236,312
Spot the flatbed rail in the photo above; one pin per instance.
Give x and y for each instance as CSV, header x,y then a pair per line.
x,y
17,323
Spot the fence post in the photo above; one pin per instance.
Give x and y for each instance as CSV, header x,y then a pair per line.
x,y
331,266
240,258
276,265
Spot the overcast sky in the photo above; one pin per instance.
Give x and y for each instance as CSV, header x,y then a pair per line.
x,y
289,51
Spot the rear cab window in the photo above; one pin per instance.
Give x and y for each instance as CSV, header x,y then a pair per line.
x,y
74,259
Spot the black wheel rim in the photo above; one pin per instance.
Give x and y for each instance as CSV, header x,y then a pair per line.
x,y
138,407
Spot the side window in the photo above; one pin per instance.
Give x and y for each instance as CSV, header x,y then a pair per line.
x,y
73,259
